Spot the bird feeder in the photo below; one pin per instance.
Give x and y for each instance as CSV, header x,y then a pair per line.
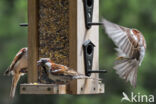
x,y
62,30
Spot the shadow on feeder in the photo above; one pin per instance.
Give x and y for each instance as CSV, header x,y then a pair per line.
x,y
88,47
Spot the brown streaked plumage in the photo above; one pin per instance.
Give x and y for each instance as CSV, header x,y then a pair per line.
x,y
17,68
131,48
60,74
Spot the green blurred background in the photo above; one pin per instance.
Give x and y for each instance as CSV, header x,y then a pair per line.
x,y
140,14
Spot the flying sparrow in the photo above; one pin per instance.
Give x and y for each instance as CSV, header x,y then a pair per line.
x,y
60,74
131,47
17,68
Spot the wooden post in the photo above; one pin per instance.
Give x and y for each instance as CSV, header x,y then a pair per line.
x,y
78,35
32,40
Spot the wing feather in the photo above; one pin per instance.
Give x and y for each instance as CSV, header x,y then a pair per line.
x,y
16,58
119,36
58,69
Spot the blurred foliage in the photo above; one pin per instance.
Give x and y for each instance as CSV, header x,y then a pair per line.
x,y
140,14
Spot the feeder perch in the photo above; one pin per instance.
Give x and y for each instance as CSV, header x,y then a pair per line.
x,y
57,30
24,25
88,47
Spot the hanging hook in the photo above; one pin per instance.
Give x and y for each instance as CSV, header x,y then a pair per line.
x,y
88,47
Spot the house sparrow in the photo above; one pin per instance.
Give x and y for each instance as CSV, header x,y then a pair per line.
x,y
60,74
17,68
131,47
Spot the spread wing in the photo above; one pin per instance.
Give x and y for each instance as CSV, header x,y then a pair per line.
x,y
121,38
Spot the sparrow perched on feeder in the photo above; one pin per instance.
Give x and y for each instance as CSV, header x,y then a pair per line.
x,y
60,74
17,68
131,47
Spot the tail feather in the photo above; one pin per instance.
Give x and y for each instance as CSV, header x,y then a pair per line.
x,y
127,69
133,76
81,76
14,84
